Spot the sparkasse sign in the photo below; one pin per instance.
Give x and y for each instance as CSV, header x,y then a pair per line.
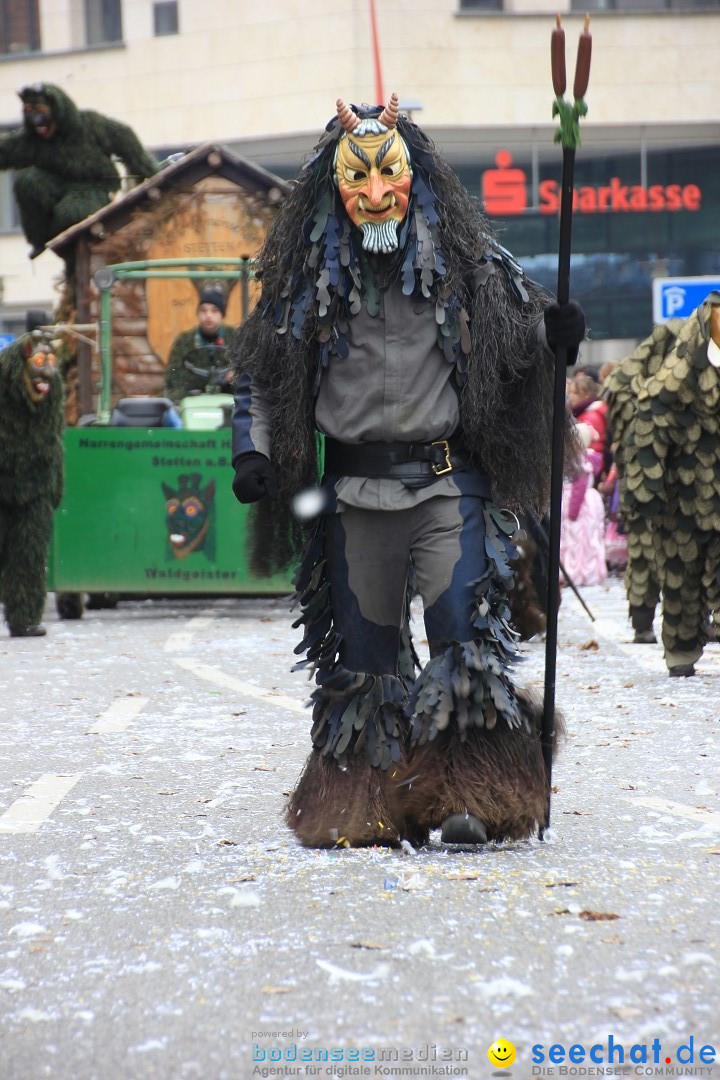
x,y
622,198
505,192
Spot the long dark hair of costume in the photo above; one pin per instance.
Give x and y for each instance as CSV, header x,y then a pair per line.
x,y
315,276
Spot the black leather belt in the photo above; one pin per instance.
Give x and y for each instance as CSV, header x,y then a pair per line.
x,y
397,460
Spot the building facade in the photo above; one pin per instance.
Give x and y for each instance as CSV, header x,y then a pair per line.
x,y
262,80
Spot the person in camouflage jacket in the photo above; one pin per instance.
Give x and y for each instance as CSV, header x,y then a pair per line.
x,y
198,359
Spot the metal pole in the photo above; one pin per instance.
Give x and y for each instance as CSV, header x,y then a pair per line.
x,y
379,94
105,388
151,264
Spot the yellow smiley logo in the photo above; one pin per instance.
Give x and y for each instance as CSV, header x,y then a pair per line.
x,y
501,1053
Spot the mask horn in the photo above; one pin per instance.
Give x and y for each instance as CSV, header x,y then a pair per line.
x,y
389,115
346,116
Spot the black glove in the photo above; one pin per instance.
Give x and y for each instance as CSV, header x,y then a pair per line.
x,y
254,477
565,327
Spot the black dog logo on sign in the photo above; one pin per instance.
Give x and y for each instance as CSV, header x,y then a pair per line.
x,y
190,517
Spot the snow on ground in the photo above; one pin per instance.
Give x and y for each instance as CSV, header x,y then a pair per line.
x,y
163,923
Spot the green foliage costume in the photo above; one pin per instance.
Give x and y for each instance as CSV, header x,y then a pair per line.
x,y
31,477
64,161
621,391
673,477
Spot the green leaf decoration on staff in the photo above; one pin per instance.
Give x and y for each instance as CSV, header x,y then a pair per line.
x,y
568,134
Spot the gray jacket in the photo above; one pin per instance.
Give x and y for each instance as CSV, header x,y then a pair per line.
x,y
395,385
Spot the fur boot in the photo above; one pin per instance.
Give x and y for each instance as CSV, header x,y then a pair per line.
x,y
345,806
497,776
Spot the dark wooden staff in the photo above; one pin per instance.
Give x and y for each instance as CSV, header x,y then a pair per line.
x,y
569,136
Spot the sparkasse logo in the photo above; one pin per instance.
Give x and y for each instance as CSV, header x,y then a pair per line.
x,y
505,193
621,198
504,190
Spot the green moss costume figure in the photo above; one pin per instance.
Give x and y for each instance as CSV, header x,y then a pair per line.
x,y
621,391
63,157
673,477
31,477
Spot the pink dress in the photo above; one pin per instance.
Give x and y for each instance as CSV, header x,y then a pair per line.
x,y
582,530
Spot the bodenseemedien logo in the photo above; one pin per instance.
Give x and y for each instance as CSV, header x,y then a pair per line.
x,y
293,1059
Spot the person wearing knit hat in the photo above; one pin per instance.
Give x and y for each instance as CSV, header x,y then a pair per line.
x,y
204,348
215,298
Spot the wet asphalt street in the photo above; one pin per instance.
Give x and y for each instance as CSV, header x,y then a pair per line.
x,y
158,921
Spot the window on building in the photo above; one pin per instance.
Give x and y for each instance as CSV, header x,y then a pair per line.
x,y
582,6
165,17
19,26
103,21
481,5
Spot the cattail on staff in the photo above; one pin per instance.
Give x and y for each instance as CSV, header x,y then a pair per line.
x,y
557,58
582,65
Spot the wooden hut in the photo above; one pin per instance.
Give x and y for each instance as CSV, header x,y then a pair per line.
x,y
209,203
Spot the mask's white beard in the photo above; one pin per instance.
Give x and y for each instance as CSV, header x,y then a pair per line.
x,y
380,238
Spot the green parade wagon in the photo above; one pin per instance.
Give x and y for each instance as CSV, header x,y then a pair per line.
x,y
148,509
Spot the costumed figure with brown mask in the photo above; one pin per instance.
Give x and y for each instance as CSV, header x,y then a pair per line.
x,y
672,472
32,420
393,323
64,162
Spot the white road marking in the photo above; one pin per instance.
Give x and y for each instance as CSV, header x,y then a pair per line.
x,y
665,806
214,675
182,639
118,716
35,806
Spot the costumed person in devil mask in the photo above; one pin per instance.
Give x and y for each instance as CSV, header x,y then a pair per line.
x,y
392,322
